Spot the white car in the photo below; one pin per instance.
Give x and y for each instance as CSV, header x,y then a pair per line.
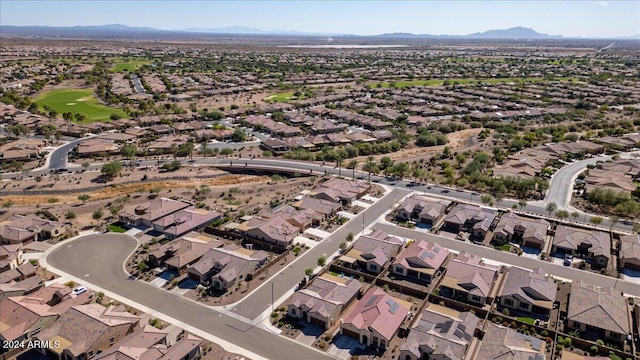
x,y
79,290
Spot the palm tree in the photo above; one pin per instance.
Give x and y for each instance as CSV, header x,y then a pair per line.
x,y
575,215
612,221
339,165
370,167
551,207
522,203
352,165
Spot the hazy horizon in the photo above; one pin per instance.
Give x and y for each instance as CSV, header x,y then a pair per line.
x,y
566,18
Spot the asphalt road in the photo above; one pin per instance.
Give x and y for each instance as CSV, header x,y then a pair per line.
x,y
259,300
558,186
561,271
58,157
561,184
98,259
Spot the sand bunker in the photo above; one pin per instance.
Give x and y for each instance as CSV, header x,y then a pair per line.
x,y
71,103
82,99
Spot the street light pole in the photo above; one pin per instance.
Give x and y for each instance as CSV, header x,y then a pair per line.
x,y
271,295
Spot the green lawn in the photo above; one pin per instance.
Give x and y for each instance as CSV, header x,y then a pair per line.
x,y
130,65
78,101
526,320
439,82
116,229
282,97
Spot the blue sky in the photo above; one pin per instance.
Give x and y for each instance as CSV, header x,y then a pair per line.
x,y
568,18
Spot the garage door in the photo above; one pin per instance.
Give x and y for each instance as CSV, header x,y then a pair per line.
x,y
351,334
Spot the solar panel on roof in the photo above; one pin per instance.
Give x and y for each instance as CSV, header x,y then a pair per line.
x,y
436,249
371,300
393,306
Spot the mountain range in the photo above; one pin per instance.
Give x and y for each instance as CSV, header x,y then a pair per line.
x,y
118,30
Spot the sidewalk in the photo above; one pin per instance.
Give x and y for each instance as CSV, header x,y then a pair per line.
x,y
67,277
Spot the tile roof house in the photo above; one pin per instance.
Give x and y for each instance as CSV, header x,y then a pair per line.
x,y
420,261
372,252
340,190
598,308
375,319
21,150
274,230
528,291
223,267
19,273
471,217
96,146
23,287
422,209
501,343
150,343
10,256
21,317
325,208
629,252
178,254
468,279
146,213
323,300
303,219
514,228
441,333
592,244
184,221
84,330
25,229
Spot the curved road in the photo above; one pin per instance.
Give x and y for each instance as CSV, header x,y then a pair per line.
x,y
98,260
561,185
58,157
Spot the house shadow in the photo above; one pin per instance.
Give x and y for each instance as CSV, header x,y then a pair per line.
x,y
188,284
309,329
354,347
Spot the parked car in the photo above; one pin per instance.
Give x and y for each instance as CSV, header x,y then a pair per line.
x,y
568,258
79,290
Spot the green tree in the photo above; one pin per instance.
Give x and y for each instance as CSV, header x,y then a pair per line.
x,y
612,221
97,215
370,167
486,199
48,130
551,207
226,151
308,271
349,237
111,169
7,204
385,162
128,151
575,215
84,197
238,135
115,209
596,220
85,165
70,215
522,204
562,214
322,261
352,165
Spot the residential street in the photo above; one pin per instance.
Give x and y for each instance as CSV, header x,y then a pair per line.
x,y
561,185
98,260
564,272
258,301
